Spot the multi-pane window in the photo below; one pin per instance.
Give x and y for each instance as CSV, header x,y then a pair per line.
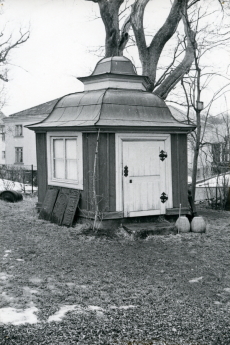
x,y
65,158
18,155
65,163
2,133
18,130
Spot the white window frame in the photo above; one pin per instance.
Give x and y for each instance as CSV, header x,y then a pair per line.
x,y
76,184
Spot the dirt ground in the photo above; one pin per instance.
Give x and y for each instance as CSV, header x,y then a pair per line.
x,y
61,287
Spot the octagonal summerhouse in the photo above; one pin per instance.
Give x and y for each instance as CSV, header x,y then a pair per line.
x,y
142,149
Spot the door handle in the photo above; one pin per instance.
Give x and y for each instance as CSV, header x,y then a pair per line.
x,y
126,171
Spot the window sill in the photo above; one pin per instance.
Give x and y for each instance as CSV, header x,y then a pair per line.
x,y
18,163
66,184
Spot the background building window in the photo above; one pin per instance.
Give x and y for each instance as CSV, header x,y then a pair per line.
x,y
3,154
3,137
18,155
18,130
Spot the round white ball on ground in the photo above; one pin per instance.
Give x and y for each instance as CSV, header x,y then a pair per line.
x,y
198,224
182,224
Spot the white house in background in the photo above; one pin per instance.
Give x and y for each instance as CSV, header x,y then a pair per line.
x,y
20,145
214,157
2,139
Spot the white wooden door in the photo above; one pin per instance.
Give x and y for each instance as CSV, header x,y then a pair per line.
x,y
143,178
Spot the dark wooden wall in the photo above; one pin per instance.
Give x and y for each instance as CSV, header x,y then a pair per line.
x,y
179,170
105,181
41,166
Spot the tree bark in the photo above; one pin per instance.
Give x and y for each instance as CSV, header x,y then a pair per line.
x,y
149,56
109,10
124,37
177,74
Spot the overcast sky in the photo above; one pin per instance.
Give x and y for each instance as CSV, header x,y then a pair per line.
x,y
62,35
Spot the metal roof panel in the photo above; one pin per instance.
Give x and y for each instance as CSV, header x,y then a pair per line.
x,y
110,107
115,64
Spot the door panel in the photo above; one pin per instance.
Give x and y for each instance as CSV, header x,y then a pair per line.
x,y
146,178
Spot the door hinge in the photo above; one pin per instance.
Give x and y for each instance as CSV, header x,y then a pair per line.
x,y
164,197
163,155
126,171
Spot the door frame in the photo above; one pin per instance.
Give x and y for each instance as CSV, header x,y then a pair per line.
x,y
119,139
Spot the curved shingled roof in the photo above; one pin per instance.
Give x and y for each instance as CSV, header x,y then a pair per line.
x,y
112,107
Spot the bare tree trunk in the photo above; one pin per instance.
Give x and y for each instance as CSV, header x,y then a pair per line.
x,y
198,134
196,155
109,10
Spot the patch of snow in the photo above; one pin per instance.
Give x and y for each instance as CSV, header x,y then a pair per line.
x,y
220,180
94,307
35,280
127,307
98,310
100,313
217,302
10,185
28,291
82,286
18,316
6,297
20,259
113,307
58,316
3,276
16,186
195,280
7,252
227,289
123,307
70,285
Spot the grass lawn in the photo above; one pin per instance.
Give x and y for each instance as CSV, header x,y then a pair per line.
x,y
162,290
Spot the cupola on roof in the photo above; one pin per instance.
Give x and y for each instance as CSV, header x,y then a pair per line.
x,y
115,64
117,72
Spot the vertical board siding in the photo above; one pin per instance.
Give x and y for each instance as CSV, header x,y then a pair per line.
x,y
112,173
105,179
41,166
179,170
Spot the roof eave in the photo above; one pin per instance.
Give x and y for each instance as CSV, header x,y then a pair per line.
x,y
165,129
96,77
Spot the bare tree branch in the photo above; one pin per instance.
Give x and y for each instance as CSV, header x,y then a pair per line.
x,y
6,48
